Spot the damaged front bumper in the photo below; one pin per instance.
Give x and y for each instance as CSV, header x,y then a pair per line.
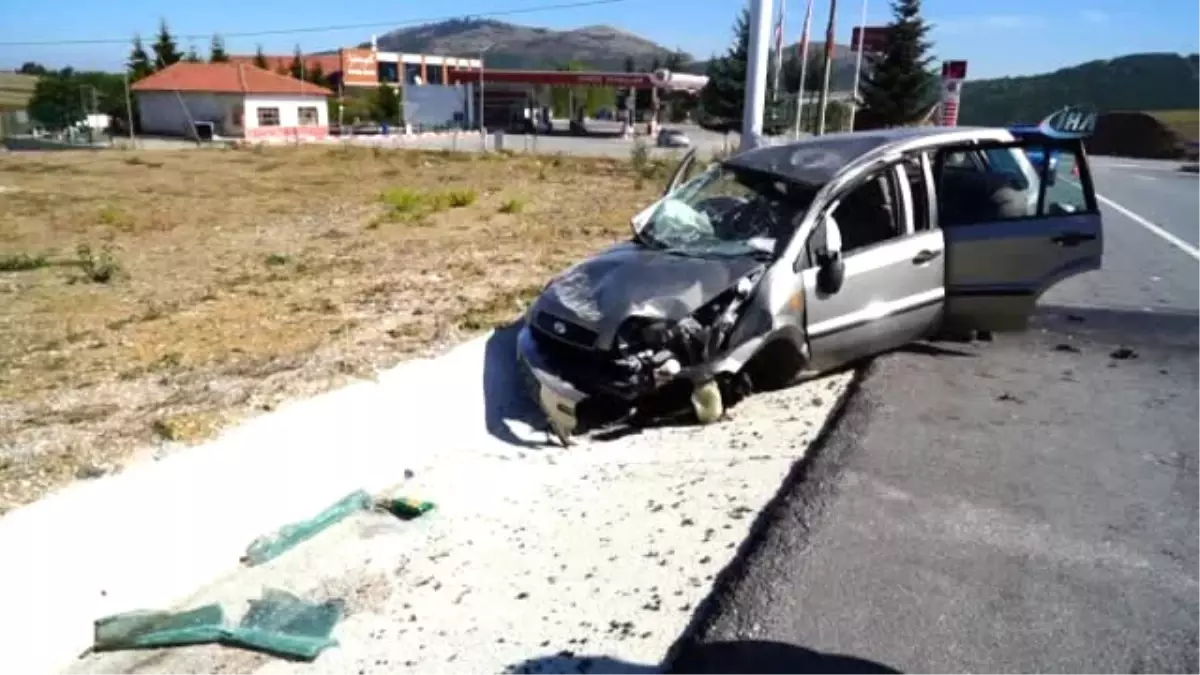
x,y
574,387
559,399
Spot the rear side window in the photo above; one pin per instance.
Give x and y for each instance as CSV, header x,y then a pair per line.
x,y
1010,182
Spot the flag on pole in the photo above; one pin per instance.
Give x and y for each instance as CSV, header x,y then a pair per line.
x,y
779,46
802,46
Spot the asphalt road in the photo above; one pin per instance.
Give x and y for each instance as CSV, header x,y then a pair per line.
x,y
1023,505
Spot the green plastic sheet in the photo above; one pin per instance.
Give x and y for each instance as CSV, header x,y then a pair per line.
x,y
272,546
279,623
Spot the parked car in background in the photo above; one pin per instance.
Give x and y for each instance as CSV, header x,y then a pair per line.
x,y
673,138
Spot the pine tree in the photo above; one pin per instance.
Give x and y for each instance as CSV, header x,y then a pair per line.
x,y
166,52
216,50
139,63
630,66
260,59
296,70
192,55
316,74
897,89
724,97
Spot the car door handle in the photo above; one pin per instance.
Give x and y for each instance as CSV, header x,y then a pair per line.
x,y
1072,238
925,256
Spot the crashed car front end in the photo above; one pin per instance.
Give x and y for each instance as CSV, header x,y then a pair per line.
x,y
576,376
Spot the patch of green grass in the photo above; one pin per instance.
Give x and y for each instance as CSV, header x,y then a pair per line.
x,y
460,198
99,268
1186,122
513,205
22,262
406,204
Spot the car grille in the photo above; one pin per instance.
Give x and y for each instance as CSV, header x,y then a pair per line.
x,y
565,330
588,369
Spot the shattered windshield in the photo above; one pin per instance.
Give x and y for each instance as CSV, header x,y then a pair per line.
x,y
728,212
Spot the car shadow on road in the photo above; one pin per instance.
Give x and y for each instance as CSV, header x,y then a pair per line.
x,y
505,398
735,656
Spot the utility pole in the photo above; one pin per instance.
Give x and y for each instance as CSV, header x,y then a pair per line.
x,y
756,72
823,100
862,41
129,110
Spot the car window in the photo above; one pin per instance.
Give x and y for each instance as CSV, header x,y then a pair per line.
x,y
868,214
1007,187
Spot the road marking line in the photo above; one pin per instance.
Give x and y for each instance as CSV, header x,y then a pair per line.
x,y
1154,229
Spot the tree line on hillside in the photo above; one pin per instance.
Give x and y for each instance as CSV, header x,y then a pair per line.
x,y
1134,82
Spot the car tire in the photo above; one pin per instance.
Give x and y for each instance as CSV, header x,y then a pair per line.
x,y
775,366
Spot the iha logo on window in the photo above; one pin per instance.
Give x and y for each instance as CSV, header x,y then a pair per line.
x,y
1069,123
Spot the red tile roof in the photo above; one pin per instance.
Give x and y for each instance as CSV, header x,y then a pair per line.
x,y
225,78
329,63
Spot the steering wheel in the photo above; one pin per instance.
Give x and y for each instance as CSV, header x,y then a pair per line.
x,y
716,208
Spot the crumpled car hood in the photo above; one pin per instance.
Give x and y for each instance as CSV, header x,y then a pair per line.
x,y
631,280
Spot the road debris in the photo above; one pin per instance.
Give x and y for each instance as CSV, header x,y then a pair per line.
x,y
269,547
1064,347
1123,354
404,508
279,624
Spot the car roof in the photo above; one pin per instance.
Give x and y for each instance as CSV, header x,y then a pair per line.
x,y
816,160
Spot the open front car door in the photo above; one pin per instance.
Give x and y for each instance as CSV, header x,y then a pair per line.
x,y
1011,232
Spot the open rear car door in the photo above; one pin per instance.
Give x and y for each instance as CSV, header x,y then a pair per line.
x,y
1001,259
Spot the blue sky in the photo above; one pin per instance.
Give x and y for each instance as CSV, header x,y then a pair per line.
x,y
1010,38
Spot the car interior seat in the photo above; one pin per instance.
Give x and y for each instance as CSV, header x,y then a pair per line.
x,y
866,215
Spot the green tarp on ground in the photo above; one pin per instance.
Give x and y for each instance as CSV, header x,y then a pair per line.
x,y
279,623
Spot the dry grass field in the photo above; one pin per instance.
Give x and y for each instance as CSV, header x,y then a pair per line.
x,y
150,297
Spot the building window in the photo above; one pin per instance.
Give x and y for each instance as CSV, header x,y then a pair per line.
x,y
434,73
412,73
309,116
268,117
388,72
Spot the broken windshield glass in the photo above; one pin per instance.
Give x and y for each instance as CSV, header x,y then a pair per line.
x,y
728,212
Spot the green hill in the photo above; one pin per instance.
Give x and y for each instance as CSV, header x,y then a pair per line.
x,y
1141,82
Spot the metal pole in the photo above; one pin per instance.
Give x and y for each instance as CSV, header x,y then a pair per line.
x,y
129,110
823,100
862,39
801,91
482,130
756,72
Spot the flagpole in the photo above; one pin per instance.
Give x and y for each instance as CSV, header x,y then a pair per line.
x,y
804,39
823,99
862,41
779,49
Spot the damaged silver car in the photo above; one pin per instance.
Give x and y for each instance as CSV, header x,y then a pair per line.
x,y
787,261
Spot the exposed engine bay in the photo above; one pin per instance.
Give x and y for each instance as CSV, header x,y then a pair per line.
x,y
655,351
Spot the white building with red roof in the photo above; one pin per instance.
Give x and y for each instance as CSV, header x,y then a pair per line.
x,y
238,99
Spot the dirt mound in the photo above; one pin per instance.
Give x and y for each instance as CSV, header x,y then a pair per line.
x,y
1135,134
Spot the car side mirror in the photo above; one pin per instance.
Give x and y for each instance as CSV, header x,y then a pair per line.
x,y
831,272
831,267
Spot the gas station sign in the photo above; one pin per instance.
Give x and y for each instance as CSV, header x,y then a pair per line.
x,y
953,74
870,39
